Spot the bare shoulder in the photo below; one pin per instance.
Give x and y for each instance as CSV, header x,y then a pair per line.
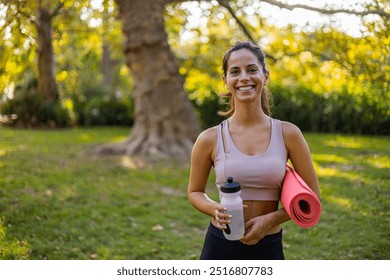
x,y
290,131
208,135
207,139
294,140
203,152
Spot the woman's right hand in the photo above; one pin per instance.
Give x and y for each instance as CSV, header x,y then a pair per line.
x,y
220,219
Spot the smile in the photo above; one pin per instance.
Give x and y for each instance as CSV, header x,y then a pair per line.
x,y
245,88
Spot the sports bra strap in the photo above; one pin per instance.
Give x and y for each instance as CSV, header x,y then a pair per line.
x,y
224,131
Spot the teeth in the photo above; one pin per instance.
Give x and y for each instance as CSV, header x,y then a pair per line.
x,y
246,88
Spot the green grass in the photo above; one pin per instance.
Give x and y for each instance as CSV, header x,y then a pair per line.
x,y
58,202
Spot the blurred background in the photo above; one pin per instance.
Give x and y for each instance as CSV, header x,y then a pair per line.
x,y
63,63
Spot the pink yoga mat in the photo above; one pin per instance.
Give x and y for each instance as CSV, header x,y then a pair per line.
x,y
300,202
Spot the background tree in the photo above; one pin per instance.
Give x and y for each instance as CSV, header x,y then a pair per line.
x,y
40,13
31,27
77,59
165,124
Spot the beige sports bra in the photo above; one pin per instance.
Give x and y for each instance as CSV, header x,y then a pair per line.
x,y
260,176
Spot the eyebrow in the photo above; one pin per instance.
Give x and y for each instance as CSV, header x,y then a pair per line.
x,y
249,65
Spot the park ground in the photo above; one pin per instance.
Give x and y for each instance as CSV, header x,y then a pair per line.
x,y
57,201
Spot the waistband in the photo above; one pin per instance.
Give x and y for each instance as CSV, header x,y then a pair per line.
x,y
270,238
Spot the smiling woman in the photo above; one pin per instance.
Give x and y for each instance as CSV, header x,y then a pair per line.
x,y
246,72
252,148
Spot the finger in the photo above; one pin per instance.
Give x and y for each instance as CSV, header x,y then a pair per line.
x,y
248,240
220,208
219,223
249,224
244,241
216,214
251,243
222,216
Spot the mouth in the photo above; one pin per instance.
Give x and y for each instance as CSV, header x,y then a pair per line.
x,y
245,88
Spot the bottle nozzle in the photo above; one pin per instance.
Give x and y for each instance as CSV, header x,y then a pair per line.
x,y
230,186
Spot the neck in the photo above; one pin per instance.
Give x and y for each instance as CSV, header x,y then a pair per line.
x,y
249,115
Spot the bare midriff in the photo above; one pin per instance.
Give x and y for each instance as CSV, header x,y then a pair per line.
x,y
257,208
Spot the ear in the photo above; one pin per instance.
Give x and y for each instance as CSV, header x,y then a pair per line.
x,y
225,81
266,78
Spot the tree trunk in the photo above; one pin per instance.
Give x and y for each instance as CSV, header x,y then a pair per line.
x,y
47,85
165,123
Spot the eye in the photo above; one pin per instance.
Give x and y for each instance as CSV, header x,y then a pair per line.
x,y
234,72
252,70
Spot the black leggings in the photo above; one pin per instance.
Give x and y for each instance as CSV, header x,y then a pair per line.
x,y
217,247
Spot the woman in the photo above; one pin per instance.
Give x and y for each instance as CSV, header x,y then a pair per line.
x,y
252,148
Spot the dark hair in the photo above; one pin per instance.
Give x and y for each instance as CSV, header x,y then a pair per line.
x,y
261,57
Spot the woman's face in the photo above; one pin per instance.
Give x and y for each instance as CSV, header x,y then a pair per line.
x,y
244,76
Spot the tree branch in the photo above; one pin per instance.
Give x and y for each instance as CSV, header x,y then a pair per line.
x,y
57,9
326,11
225,4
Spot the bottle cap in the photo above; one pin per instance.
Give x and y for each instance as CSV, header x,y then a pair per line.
x,y
230,186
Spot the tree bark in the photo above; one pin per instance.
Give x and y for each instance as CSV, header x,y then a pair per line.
x,y
47,85
165,123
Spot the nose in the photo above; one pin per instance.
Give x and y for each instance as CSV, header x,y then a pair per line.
x,y
244,76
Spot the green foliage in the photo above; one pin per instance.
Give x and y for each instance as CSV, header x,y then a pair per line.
x,y
80,30
299,106
334,112
321,80
336,82
98,105
58,202
29,109
207,111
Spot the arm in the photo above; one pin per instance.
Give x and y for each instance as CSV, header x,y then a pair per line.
x,y
201,163
258,227
299,153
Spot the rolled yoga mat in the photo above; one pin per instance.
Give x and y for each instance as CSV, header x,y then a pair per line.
x,y
300,202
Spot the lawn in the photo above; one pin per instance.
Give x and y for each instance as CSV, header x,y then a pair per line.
x,y
59,202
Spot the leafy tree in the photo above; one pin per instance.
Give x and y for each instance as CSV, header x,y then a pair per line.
x,y
22,15
31,29
83,35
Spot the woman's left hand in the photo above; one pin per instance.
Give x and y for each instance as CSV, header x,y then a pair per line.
x,y
255,229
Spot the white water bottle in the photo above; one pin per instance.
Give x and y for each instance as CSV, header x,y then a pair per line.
x,y
230,192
